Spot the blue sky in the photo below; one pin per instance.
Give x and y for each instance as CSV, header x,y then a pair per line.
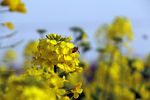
x,y
83,10
57,16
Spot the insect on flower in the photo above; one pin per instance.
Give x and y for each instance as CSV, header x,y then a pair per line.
x,y
75,49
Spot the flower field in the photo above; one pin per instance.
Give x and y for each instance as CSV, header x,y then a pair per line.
x,y
53,68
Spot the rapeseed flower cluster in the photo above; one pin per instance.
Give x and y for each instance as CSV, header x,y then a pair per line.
x,y
57,51
51,63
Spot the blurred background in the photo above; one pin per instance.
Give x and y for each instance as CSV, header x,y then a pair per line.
x,y
58,16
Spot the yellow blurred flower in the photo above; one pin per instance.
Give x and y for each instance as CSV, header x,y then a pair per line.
x,y
10,56
14,5
21,8
120,27
123,93
115,71
138,64
84,36
35,93
65,98
30,49
9,25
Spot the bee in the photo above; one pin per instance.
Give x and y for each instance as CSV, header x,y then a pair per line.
x,y
75,49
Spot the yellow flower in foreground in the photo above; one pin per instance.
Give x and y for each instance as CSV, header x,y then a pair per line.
x,y
9,25
77,90
57,50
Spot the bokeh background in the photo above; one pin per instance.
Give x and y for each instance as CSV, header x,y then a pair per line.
x,y
58,16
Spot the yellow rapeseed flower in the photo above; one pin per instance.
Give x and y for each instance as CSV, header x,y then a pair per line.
x,y
57,50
